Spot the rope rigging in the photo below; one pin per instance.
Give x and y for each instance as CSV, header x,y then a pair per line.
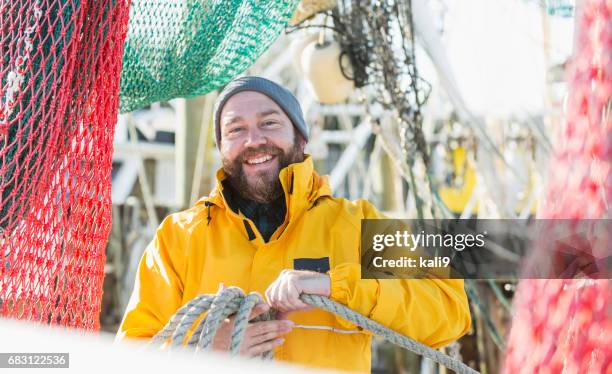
x,y
233,301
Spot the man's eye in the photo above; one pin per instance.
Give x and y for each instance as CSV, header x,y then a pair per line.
x,y
235,130
269,123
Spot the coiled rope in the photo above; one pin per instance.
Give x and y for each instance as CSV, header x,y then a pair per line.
x,y
232,300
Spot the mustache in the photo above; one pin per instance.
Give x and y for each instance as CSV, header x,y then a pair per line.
x,y
267,148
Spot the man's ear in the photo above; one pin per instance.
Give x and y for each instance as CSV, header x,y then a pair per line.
x,y
301,141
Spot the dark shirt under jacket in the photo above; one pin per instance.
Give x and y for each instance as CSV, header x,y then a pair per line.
x,y
266,216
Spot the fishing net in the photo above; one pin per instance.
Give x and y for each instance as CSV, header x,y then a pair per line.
x,y
60,63
566,325
60,72
189,48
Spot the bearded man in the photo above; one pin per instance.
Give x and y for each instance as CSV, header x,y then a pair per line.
x,y
271,225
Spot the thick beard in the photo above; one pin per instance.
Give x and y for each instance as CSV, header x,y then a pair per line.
x,y
267,186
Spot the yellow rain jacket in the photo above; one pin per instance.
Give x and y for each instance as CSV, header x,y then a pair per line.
x,y
196,249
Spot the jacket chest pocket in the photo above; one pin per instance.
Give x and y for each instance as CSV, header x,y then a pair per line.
x,y
320,265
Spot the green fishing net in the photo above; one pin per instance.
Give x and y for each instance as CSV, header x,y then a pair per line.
x,y
186,48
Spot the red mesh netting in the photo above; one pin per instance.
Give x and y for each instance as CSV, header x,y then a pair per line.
x,y
566,325
60,62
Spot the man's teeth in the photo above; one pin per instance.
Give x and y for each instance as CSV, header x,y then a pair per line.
x,y
259,160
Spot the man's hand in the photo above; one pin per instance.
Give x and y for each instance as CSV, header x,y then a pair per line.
x,y
284,293
259,337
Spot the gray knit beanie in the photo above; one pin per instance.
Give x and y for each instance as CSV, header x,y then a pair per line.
x,y
282,96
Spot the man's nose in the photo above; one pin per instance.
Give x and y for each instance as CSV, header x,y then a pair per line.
x,y
255,137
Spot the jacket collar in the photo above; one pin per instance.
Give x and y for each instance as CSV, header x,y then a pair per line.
x,y
302,186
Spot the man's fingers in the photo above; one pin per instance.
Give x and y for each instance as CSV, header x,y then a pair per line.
x,y
221,339
284,293
286,299
283,315
264,347
274,295
259,328
261,333
265,337
289,298
258,310
280,330
296,302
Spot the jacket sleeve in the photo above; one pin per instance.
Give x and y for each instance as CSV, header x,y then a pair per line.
x,y
432,311
158,287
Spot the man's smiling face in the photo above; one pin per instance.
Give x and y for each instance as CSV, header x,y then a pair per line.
x,y
257,140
